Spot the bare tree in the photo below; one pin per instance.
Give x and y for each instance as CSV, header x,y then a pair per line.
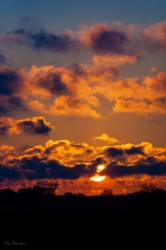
x,y
148,187
107,192
51,188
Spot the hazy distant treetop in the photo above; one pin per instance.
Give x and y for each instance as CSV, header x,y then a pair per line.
x,y
107,192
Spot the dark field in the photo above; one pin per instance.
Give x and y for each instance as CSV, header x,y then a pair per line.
x,y
32,220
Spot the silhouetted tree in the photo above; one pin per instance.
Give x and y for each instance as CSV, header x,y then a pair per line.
x,y
7,192
39,190
148,187
80,195
107,192
51,188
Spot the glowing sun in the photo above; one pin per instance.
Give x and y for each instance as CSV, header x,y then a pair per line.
x,y
98,177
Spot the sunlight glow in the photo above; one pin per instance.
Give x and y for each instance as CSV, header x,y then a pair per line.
x,y
100,168
97,178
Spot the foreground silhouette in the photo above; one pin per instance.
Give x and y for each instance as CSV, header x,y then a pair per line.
x,y
37,217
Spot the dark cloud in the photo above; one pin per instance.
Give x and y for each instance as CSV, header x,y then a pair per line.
x,y
9,104
11,86
4,127
54,83
118,152
134,150
41,39
10,81
109,41
36,125
45,40
99,161
102,39
160,102
114,152
156,168
35,168
8,173
78,70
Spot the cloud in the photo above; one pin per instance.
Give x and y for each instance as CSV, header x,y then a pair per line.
x,y
34,125
72,164
72,152
6,150
41,82
11,88
9,104
154,36
152,169
103,39
134,150
106,138
40,39
10,81
114,152
50,169
7,126
115,60
45,40
8,173
129,153
140,107
156,85
36,168
54,83
69,106
77,90
72,94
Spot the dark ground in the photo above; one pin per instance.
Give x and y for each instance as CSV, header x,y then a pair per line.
x,y
75,221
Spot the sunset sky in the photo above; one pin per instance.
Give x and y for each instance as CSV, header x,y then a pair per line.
x,y
83,85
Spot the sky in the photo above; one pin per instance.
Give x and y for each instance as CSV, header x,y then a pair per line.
x,y
83,85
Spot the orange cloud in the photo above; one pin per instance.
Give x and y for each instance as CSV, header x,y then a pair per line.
x,y
8,126
103,38
76,91
106,138
34,125
126,166
5,150
140,107
37,106
156,86
154,36
73,107
114,60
